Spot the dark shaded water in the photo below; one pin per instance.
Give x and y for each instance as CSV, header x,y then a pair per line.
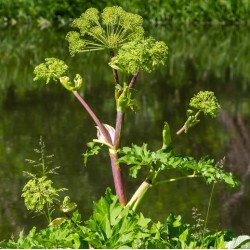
x,y
214,59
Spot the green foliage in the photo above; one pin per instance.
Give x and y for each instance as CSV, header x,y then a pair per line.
x,y
141,54
67,206
38,193
65,235
173,12
112,226
65,81
166,136
124,99
107,30
93,150
157,161
183,236
242,242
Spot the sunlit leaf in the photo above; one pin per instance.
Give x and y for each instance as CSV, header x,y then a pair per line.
x,y
68,208
57,221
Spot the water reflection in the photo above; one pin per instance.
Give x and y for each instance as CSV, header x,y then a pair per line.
x,y
213,59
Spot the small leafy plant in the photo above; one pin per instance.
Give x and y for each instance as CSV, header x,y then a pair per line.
x,y
115,222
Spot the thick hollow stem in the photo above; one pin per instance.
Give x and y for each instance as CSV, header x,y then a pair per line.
x,y
94,117
118,127
117,176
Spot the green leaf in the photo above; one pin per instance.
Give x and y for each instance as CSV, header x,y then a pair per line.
x,y
68,208
94,150
66,82
137,156
183,238
57,221
238,242
113,226
166,135
123,98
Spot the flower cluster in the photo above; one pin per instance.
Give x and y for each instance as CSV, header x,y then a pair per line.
x,y
56,69
38,192
206,102
107,30
138,55
53,68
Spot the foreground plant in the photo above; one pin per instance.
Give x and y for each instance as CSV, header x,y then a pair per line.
x,y
116,224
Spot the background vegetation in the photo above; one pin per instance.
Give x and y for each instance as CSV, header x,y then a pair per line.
x,y
45,12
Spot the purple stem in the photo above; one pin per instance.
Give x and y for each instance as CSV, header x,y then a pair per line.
x,y
116,171
119,116
118,127
133,79
117,176
94,117
181,130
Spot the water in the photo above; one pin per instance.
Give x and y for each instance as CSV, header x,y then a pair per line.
x,y
212,58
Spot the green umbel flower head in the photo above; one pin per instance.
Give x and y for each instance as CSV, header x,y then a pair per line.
x,y
107,30
38,192
206,102
53,68
56,69
145,55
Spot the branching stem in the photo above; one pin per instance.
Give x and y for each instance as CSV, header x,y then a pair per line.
x,y
181,130
177,179
132,82
139,194
116,171
94,117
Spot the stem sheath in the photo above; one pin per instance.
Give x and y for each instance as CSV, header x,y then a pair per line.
x,y
138,195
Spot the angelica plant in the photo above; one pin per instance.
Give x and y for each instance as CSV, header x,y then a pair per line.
x,y
114,222
122,35
131,52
